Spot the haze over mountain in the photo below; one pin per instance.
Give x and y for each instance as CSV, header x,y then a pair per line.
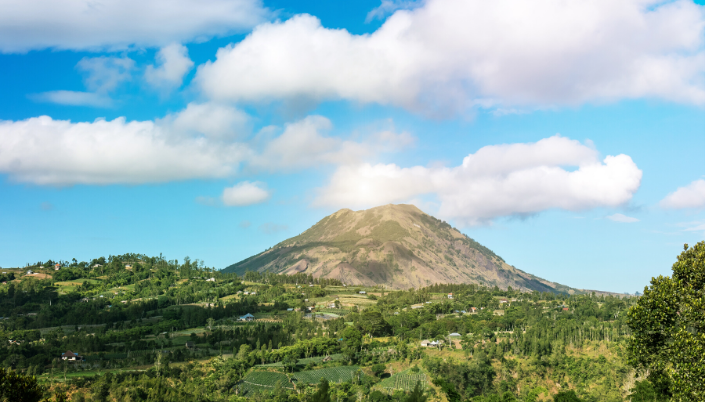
x,y
398,246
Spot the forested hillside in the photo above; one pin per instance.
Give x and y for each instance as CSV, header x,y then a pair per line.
x,y
147,328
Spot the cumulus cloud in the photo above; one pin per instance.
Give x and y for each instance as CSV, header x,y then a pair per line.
x,y
690,196
113,24
245,193
74,98
622,218
172,64
304,144
496,181
450,55
206,140
45,151
213,121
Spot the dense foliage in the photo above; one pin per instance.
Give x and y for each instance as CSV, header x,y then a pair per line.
x,y
669,331
151,329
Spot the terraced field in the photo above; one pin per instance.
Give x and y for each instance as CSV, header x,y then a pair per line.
x,y
405,380
332,374
258,381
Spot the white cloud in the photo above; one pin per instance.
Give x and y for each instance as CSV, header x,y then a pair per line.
x,y
103,74
113,24
690,196
450,55
74,98
172,64
389,6
214,121
245,193
44,151
496,181
303,145
622,218
202,141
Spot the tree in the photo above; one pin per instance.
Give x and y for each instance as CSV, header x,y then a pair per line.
x,y
668,332
378,369
416,395
566,396
322,394
19,388
352,340
289,361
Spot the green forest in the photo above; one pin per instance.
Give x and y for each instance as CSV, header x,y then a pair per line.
x,y
139,328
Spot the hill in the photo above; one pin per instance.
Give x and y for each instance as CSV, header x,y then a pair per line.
x,y
398,246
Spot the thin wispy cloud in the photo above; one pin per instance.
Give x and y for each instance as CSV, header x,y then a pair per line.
x,y
621,218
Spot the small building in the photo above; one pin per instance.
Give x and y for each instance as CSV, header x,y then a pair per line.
x,y
190,345
450,295
327,359
565,308
71,356
210,280
96,266
455,334
57,267
247,317
502,301
30,272
290,309
425,343
473,310
331,305
362,292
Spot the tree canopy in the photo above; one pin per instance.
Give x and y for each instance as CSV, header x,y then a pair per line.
x,y
668,327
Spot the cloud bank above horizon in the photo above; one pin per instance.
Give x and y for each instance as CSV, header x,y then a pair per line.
x,y
496,181
447,56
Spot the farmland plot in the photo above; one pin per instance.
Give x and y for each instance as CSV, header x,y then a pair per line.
x,y
258,381
405,380
332,374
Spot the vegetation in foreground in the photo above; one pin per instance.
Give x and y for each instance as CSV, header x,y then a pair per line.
x,y
148,329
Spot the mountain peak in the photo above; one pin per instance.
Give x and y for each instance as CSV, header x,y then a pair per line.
x,y
396,245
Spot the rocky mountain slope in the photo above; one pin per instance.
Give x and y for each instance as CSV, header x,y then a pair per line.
x,y
394,245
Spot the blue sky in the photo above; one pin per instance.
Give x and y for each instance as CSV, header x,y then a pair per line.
x,y
566,137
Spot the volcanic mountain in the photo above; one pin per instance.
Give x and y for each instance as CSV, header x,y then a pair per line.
x,y
398,246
